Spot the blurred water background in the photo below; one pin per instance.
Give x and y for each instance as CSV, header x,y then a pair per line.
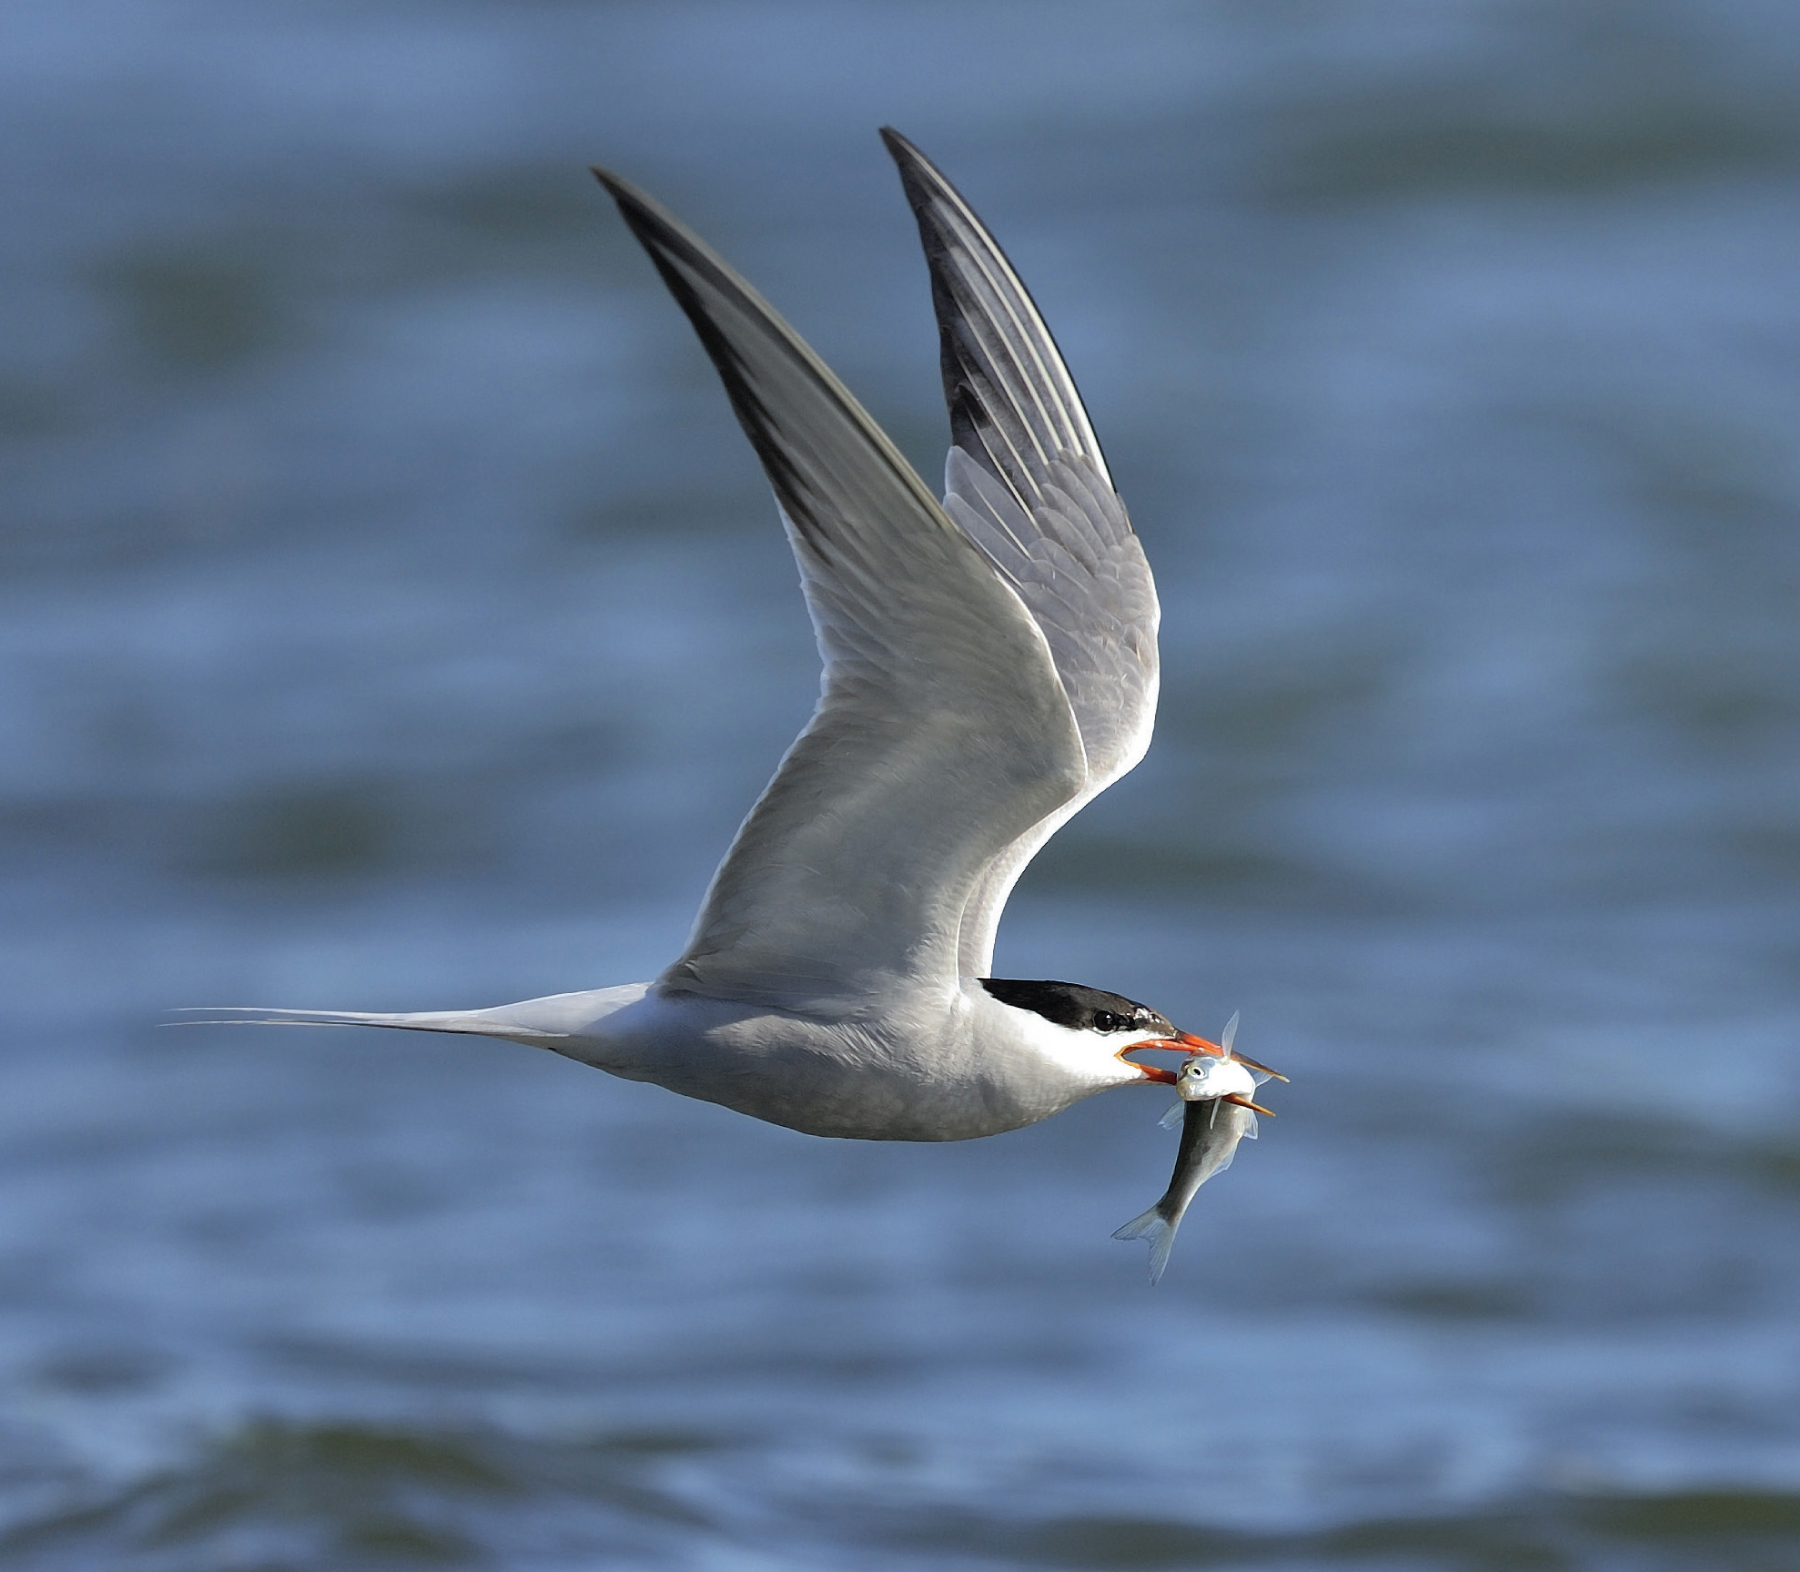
x,y
393,617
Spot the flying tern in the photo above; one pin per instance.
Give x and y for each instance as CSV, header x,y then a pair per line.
x,y
990,667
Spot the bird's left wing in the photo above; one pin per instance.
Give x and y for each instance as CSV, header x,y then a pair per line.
x,y
943,732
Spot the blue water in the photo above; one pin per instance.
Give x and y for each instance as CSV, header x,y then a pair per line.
x,y
391,616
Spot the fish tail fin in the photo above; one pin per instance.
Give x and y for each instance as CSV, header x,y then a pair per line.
x,y
1156,1230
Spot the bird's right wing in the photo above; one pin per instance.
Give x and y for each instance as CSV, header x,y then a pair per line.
x,y
1026,480
943,732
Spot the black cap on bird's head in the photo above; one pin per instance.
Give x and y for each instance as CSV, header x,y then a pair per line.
x,y
1076,1007
1084,1009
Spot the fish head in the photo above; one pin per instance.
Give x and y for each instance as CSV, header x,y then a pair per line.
x,y
1205,1077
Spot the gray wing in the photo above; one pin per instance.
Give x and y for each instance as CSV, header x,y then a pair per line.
x,y
1027,482
942,734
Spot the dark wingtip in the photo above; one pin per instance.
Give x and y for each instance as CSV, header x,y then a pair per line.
x,y
915,168
641,210
622,191
658,231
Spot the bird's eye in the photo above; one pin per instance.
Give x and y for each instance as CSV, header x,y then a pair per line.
x,y
1106,1021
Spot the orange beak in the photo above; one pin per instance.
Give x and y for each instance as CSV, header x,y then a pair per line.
x,y
1274,1075
1181,1042
1186,1042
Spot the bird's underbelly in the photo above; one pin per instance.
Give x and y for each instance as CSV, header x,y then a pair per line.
x,y
825,1079
864,1106
821,1094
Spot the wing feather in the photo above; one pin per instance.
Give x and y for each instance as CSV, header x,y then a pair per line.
x,y
943,732
1027,482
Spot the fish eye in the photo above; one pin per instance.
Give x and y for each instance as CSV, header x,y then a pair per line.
x,y
1107,1021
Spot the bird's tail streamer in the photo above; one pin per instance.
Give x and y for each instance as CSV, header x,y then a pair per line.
x,y
481,1023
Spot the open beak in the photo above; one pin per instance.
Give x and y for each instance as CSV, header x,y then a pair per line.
x,y
1186,1042
1244,1102
1181,1042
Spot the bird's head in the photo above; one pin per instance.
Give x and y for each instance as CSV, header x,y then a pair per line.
x,y
1122,1024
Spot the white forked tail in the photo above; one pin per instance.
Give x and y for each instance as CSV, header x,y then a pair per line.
x,y
1160,1233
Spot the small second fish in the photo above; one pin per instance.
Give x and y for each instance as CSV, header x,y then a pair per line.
x,y
1216,1113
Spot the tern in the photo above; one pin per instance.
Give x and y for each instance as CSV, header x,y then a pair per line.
x,y
990,667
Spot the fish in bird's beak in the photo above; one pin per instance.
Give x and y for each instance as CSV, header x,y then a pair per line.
x,y
1215,1113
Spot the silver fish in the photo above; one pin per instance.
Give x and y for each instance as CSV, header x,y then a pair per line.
x,y
1216,1113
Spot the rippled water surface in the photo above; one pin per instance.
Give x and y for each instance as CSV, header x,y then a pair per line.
x,y
391,616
